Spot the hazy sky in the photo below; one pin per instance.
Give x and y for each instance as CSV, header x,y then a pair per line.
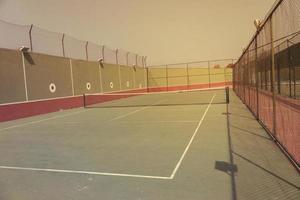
x,y
167,31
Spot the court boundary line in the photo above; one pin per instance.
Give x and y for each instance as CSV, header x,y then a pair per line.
x,y
192,139
84,172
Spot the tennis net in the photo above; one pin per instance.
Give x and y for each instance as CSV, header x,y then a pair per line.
x,y
175,98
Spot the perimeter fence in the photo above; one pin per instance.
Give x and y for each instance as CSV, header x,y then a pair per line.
x,y
191,75
267,75
13,36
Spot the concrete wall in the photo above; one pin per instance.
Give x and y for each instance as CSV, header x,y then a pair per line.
x,y
12,88
42,71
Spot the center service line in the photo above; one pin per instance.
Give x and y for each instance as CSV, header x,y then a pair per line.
x,y
192,139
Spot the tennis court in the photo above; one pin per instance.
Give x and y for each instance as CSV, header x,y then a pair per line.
x,y
174,145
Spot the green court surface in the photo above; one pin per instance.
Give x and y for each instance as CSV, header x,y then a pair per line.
x,y
175,152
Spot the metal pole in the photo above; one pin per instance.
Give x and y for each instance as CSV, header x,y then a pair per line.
x,y
208,65
119,66
187,76
30,37
167,78
86,51
249,81
63,45
290,70
117,61
147,74
278,74
103,56
256,81
273,74
127,54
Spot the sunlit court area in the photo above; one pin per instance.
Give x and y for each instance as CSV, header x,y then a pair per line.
x,y
209,107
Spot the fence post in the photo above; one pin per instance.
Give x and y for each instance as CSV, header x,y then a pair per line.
x,y
256,80
63,45
119,66
117,60
147,77
136,59
167,78
187,76
290,73
208,65
103,56
86,50
249,81
30,37
273,74
127,55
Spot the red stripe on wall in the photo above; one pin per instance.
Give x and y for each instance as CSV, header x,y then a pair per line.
x,y
27,109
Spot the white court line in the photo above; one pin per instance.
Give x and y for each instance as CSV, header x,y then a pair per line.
x,y
175,121
84,172
192,139
133,112
127,114
42,120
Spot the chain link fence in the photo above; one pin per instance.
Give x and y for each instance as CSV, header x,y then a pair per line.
x,y
13,36
267,75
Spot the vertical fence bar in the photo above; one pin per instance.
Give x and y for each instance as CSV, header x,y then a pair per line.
x,y
147,78
273,74
256,79
290,69
30,37
63,45
103,53
278,70
167,78
119,67
249,81
225,82
208,65
100,70
134,76
187,76
86,51
127,62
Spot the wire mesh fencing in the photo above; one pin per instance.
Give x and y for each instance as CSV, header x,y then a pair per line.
x,y
267,75
192,75
38,40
